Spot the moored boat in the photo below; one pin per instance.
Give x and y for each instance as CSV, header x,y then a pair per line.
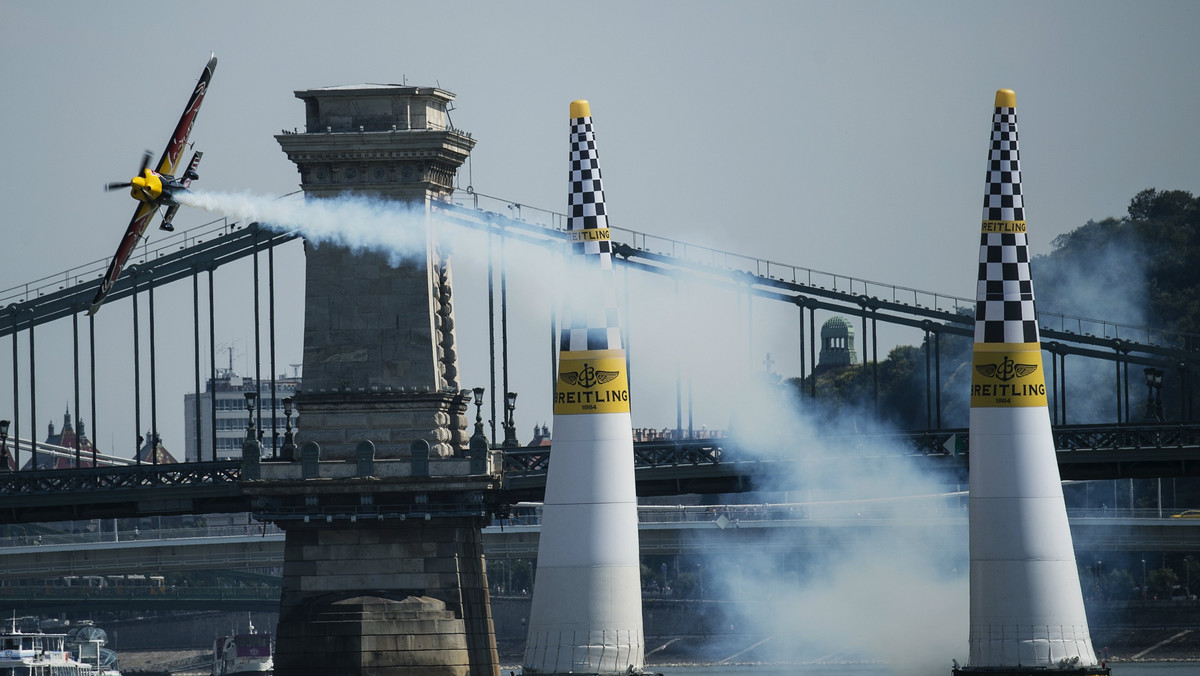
x,y
242,655
38,654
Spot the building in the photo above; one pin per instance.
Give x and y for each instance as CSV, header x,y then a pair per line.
x,y
65,439
151,450
837,345
231,416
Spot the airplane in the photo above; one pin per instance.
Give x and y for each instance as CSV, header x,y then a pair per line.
x,y
158,187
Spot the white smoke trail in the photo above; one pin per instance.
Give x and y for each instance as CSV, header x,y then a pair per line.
x,y
890,582
890,594
357,222
396,229
892,587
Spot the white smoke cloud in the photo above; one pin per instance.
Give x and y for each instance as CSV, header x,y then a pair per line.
x,y
892,586
895,592
357,222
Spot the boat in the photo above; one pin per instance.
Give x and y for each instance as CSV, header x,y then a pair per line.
x,y
86,644
39,654
247,654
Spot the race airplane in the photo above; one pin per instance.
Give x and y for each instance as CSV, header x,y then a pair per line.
x,y
154,188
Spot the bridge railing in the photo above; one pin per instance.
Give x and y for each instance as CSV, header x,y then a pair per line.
x,y
90,272
831,281
105,534
145,593
109,478
1126,437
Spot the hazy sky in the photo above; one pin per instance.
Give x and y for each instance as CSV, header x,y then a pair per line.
x,y
849,137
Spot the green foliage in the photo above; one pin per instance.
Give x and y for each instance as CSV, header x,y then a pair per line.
x,y
513,576
847,395
686,586
1120,585
1149,257
1161,582
1143,269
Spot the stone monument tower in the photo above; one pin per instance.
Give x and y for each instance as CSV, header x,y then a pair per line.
x,y
379,347
383,567
837,345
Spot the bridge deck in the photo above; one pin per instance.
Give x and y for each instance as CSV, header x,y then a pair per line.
x,y
705,466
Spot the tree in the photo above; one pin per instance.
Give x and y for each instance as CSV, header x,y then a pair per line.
x,y
1162,582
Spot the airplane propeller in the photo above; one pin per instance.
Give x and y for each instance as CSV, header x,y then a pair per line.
x,y
125,184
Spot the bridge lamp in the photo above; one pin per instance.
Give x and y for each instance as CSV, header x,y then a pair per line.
x,y
478,410
251,398
510,428
1149,393
288,451
4,446
1143,579
1154,378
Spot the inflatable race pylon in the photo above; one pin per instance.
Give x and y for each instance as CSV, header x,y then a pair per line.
x,y
1026,604
586,616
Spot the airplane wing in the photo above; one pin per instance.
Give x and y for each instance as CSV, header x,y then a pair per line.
x,y
166,165
137,227
175,147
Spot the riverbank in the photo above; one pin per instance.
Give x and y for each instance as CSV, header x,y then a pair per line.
x,y
685,632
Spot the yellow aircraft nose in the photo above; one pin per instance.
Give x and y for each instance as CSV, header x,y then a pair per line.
x,y
145,188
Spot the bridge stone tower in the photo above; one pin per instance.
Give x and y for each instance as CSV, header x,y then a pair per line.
x,y
378,337
383,559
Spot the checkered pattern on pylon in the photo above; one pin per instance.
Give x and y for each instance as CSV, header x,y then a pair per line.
x,y
593,328
590,320
1004,311
1003,200
586,207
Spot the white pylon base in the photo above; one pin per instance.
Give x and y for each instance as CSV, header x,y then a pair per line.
x,y
1031,671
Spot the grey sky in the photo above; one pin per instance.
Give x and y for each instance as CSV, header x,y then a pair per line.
x,y
849,137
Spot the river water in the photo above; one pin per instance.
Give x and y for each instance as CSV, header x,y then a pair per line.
x,y
1118,669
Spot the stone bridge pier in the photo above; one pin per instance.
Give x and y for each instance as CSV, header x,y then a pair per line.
x,y
383,502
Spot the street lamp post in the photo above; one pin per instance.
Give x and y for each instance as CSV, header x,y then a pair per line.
x,y
251,433
1154,406
478,411
4,458
1143,579
510,428
287,452
1187,578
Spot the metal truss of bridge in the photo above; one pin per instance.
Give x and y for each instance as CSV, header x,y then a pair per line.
x,y
708,466
1119,450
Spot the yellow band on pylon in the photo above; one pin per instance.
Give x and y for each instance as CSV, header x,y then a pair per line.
x,y
1007,374
580,108
1006,98
589,235
1004,226
591,381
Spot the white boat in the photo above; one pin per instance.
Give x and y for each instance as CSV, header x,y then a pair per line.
x,y
86,644
39,655
102,660
242,655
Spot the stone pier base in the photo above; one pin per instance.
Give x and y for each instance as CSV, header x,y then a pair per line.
x,y
385,598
